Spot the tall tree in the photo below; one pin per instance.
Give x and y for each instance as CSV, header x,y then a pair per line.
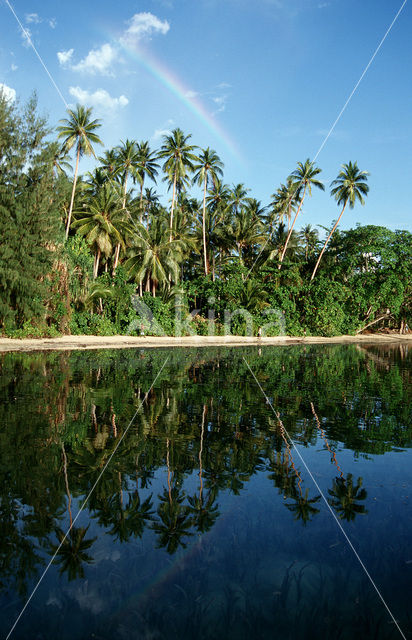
x,y
284,201
179,158
305,177
310,237
127,160
154,258
350,186
208,168
78,130
103,224
30,202
146,167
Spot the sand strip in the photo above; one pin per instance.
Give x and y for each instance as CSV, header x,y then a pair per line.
x,y
68,343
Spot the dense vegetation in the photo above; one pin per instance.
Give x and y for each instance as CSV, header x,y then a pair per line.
x,y
76,250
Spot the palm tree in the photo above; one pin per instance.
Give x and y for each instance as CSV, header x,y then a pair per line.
x,y
305,177
252,297
61,164
78,130
126,164
310,237
284,201
154,257
303,507
209,168
218,198
245,232
146,166
179,158
345,497
127,158
350,186
237,198
103,223
109,162
71,551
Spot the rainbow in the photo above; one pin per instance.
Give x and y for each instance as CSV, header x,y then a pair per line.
x,y
176,86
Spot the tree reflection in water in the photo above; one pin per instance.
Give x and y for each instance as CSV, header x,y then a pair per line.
x,y
204,424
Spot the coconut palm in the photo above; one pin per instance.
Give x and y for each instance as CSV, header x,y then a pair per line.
x,y
303,507
245,232
305,178
103,223
252,297
208,168
149,204
155,258
310,237
284,202
345,497
78,130
61,164
71,551
237,198
110,163
127,159
146,167
218,198
350,186
179,158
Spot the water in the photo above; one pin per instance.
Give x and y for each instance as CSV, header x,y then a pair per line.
x,y
206,524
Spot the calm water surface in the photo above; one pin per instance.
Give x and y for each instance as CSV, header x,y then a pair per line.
x,y
206,524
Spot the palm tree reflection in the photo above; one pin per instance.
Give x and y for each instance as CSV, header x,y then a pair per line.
x,y
346,496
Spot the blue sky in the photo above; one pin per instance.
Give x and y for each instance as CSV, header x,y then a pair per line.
x,y
259,81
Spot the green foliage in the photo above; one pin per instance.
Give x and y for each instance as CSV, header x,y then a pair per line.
x,y
29,215
222,254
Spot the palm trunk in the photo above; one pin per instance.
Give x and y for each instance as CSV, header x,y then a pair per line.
x,y
204,229
125,191
200,454
173,205
96,264
141,202
116,258
66,481
154,288
291,229
69,217
327,240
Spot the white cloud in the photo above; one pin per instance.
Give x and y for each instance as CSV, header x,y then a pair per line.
x,y
220,102
100,98
190,95
33,17
98,61
101,60
143,25
159,133
224,85
7,92
65,56
52,23
14,67
163,131
26,35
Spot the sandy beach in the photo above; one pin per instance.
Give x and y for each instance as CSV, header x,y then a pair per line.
x,y
68,343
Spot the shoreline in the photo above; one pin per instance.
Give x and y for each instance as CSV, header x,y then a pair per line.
x,y
70,343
